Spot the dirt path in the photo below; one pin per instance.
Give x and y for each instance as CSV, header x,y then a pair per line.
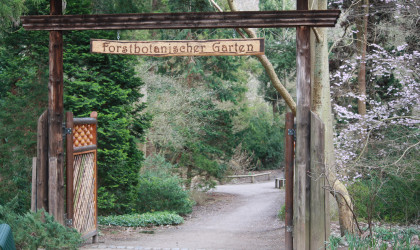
x,y
245,218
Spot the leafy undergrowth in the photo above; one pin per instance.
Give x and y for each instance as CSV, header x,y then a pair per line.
x,y
38,230
142,220
383,239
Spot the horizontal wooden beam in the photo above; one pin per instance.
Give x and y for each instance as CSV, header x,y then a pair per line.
x,y
84,120
190,20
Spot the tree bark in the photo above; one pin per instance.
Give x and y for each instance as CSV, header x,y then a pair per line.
x,y
361,24
321,105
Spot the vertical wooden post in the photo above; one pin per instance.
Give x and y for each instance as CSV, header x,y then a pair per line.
x,y
95,238
69,169
42,163
318,230
302,168
303,119
289,158
33,192
55,107
53,187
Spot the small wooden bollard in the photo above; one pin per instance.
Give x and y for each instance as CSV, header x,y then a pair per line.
x,y
279,182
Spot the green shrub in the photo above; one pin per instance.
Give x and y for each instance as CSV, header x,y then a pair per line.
x,y
162,194
264,138
38,230
282,213
142,220
156,165
397,199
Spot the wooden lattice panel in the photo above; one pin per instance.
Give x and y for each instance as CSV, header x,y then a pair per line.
x,y
84,192
84,135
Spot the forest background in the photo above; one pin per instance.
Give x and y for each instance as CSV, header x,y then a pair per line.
x,y
170,125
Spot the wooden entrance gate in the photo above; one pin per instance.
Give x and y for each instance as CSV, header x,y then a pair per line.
x,y
82,174
303,19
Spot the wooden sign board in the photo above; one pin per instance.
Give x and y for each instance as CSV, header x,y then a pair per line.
x,y
225,47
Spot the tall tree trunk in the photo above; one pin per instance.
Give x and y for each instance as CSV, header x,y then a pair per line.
x,y
361,25
321,105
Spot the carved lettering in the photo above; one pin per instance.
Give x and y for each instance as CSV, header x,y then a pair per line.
x,y
229,47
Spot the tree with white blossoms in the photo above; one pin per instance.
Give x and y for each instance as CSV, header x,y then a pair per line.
x,y
377,146
383,143
401,107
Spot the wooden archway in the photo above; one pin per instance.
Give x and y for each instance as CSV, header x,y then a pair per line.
x,y
303,19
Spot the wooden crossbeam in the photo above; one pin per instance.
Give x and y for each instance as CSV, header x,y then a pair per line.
x,y
190,20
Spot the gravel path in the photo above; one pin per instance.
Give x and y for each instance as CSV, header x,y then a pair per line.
x,y
244,218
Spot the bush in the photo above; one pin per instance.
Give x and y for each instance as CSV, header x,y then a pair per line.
x,y
282,213
397,199
264,139
162,194
156,165
38,230
142,220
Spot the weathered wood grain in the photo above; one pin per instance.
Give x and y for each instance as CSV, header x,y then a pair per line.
x,y
55,110
33,189
42,163
289,164
85,120
94,115
53,196
190,20
318,226
302,189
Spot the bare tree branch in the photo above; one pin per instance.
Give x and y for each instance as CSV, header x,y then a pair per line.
x,y
405,151
370,131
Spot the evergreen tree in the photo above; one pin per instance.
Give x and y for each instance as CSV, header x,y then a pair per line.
x,y
107,84
23,97
104,83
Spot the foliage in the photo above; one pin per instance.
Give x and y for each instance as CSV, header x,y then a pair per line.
x,y
142,220
106,84
188,125
282,213
391,198
12,10
382,239
38,230
377,151
263,137
333,242
156,165
280,49
23,97
162,194
380,147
